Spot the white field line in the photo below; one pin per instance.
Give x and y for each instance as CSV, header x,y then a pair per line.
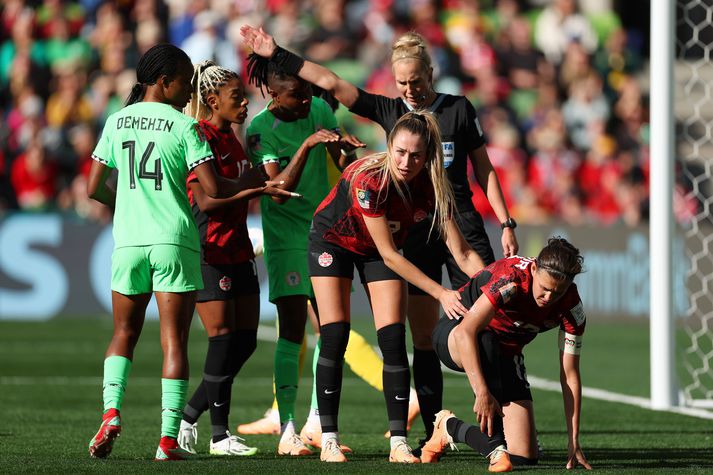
x,y
268,333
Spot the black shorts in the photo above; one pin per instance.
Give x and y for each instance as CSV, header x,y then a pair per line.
x,y
430,254
513,375
329,260
226,281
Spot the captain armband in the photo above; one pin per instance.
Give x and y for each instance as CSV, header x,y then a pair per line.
x,y
571,344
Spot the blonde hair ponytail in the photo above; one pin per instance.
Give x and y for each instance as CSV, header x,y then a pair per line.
x,y
411,45
381,165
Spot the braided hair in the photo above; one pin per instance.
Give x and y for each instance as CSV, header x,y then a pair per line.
x,y
207,79
261,70
161,59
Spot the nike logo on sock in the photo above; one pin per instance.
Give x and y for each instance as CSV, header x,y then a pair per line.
x,y
221,404
327,391
401,398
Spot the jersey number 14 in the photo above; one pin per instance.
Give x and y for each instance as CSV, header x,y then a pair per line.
x,y
156,175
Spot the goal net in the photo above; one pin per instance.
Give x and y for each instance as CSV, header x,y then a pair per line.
x,y
693,111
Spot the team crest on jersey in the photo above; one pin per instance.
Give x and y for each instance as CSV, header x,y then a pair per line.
x,y
578,313
254,142
293,278
199,132
363,197
507,291
225,283
419,215
325,259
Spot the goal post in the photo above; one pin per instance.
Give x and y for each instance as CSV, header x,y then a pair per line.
x,y
662,348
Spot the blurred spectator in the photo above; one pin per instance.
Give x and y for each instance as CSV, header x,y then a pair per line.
x,y
34,178
556,90
558,26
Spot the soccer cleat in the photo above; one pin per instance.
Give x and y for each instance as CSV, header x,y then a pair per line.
x,y
499,460
413,411
332,452
233,445
311,434
103,441
188,437
440,439
291,444
269,424
168,450
402,454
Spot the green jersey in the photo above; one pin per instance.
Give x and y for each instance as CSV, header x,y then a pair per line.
x,y
270,140
153,146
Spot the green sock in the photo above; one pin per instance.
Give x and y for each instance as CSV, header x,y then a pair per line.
x,y
313,405
173,399
287,357
116,372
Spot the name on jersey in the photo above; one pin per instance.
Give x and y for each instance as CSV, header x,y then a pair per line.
x,y
144,123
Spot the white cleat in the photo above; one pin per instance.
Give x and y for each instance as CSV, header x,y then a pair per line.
x,y
188,436
233,445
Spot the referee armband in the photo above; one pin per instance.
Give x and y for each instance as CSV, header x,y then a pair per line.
x,y
571,344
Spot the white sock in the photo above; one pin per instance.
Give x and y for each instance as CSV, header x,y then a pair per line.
x,y
328,436
396,440
288,428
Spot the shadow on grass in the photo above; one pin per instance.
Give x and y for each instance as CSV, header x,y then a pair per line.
x,y
641,458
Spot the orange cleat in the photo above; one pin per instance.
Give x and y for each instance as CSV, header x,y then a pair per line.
x,y
269,424
440,439
499,460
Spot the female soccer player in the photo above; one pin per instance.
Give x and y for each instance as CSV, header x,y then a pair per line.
x,y
511,301
289,140
363,222
462,141
229,304
156,248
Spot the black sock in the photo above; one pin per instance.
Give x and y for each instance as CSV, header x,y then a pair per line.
x,y
218,381
242,346
471,435
428,379
518,460
490,357
397,377
330,363
197,405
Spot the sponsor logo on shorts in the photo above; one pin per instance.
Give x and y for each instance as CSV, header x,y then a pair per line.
x,y
225,283
419,215
325,259
293,278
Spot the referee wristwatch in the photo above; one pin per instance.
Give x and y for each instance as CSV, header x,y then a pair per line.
x,y
509,223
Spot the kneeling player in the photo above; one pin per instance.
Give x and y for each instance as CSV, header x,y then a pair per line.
x,y
511,301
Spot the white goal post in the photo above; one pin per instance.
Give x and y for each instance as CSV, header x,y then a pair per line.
x,y
681,118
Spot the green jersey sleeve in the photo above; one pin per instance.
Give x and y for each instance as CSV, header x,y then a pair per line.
x,y
104,152
196,146
262,149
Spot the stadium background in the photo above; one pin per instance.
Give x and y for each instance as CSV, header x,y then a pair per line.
x,y
565,111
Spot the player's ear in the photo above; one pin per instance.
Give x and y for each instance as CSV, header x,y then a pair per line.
x,y
213,102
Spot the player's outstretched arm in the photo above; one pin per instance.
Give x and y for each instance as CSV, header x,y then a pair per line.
x,y
97,189
488,180
264,45
467,354
467,259
381,235
572,396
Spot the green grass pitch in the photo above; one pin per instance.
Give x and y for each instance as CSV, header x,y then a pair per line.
x,y
50,403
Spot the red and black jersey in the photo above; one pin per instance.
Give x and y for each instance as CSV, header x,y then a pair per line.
x,y
224,232
339,219
507,283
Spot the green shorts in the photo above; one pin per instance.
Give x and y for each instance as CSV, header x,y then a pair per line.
x,y
157,268
288,274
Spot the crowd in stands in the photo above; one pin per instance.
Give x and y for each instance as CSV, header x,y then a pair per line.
x,y
556,85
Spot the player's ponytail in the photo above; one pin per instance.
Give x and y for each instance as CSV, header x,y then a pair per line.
x,y
560,259
161,59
